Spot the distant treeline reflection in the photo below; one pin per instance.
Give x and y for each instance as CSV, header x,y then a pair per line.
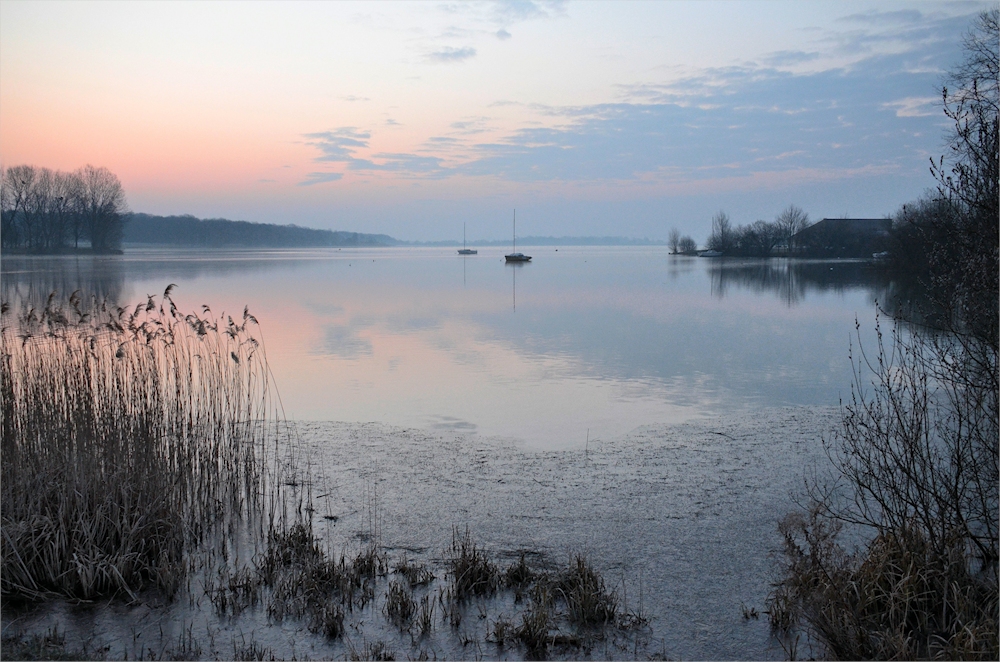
x,y
791,280
28,280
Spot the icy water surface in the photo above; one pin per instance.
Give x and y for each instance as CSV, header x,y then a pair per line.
x,y
680,519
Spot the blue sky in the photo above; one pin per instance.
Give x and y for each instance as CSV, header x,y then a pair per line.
x,y
412,118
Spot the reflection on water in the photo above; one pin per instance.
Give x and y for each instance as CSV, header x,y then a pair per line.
x,y
28,281
591,338
793,280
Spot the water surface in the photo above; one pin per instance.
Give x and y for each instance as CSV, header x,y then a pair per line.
x,y
581,343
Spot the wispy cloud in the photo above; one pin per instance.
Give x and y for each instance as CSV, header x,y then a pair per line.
x,y
788,58
449,54
752,122
343,145
914,106
338,145
510,11
320,178
502,34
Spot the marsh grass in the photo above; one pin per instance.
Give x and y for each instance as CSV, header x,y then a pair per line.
x,y
129,438
49,645
588,601
399,604
473,573
897,598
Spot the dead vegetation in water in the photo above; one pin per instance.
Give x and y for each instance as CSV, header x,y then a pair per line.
x,y
49,645
564,610
129,438
473,573
296,578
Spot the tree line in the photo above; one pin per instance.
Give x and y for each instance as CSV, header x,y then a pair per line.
x,y
757,239
218,233
47,211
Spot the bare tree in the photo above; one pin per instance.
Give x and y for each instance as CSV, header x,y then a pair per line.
x,y
721,238
757,239
674,240
687,245
18,183
791,221
104,207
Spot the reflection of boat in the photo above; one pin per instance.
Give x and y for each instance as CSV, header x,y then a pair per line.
x,y
514,256
710,254
463,250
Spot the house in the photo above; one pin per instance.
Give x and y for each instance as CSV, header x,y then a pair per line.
x,y
842,237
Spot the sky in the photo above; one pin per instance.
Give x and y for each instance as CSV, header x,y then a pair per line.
x,y
410,119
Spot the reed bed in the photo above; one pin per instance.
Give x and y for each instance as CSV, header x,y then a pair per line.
x,y
129,438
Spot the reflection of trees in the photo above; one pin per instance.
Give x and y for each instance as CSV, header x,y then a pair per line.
x,y
792,280
28,281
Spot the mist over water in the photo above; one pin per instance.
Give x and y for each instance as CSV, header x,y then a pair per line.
x,y
582,341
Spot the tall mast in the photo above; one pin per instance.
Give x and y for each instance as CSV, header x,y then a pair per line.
x,y
515,232
463,235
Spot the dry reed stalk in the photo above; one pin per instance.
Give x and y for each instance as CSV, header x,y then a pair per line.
x,y
128,439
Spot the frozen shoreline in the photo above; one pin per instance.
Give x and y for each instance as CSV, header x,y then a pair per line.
x,y
683,516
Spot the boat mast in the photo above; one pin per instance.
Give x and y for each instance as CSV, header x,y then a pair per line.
x,y
463,235
515,232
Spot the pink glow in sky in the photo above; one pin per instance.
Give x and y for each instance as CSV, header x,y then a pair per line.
x,y
410,118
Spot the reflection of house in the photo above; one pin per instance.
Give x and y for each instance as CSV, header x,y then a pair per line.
x,y
842,237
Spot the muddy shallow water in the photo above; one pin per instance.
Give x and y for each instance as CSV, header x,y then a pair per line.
x,y
681,520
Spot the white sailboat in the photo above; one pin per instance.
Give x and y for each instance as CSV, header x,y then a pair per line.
x,y
463,250
514,256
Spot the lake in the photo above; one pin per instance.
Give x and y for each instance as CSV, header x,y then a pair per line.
x,y
598,339
654,412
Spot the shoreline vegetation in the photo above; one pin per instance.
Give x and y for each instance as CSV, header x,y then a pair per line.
x,y
130,438
896,556
144,453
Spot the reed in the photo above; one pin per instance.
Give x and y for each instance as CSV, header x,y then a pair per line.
x,y
129,438
472,571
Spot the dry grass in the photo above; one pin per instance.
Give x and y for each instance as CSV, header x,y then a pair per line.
x,y
129,437
896,599
50,645
399,604
473,573
588,602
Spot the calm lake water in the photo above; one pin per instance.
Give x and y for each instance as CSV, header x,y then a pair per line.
x,y
581,343
653,412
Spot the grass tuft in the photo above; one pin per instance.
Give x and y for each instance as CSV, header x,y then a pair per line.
x,y
472,571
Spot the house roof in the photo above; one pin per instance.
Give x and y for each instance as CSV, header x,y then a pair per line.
x,y
847,225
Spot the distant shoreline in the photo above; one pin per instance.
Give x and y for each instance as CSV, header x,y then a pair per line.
x,y
66,250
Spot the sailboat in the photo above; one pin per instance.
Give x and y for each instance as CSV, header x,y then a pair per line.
x,y
463,250
514,256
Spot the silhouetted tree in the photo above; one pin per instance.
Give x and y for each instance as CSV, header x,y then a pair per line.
x,y
104,207
42,208
790,221
756,240
721,238
687,245
674,240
